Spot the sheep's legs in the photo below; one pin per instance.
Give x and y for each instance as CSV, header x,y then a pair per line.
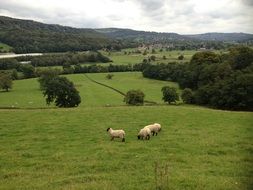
x,y
112,138
123,140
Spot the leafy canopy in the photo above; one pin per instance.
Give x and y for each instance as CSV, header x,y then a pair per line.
x,y
62,92
134,97
169,94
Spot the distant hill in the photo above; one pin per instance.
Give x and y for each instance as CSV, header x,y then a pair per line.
x,y
144,36
225,37
30,36
27,36
141,36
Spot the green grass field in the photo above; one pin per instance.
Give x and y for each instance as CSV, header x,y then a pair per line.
x,y
4,47
119,58
133,58
70,149
198,148
26,93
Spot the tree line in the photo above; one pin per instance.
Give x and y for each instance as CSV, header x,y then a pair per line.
x,y
223,81
59,59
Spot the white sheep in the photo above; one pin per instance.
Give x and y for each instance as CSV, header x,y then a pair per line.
x,y
117,134
144,133
154,128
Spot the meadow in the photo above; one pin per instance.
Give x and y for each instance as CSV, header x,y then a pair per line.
x,y
120,58
70,149
45,147
171,56
26,93
4,47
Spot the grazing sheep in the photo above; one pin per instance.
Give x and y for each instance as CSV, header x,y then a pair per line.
x,y
158,126
144,133
154,128
117,134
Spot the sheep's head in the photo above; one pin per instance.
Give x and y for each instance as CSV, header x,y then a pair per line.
x,y
139,136
108,129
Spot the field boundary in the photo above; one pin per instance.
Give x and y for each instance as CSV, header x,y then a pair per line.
x,y
114,89
107,86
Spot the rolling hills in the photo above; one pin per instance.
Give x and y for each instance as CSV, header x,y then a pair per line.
x,y
27,36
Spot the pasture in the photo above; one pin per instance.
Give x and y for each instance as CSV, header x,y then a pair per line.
x,y
133,58
51,148
70,149
26,93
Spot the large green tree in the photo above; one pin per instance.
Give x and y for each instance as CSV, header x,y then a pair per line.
x,y
170,94
5,81
62,92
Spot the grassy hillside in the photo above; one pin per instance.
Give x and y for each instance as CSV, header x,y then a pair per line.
x,y
198,148
134,80
27,36
160,37
4,48
133,58
69,149
26,93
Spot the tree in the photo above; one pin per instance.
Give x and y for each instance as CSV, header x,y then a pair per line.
x,y
5,82
46,76
180,57
169,94
109,76
62,92
134,97
28,71
240,57
152,58
187,96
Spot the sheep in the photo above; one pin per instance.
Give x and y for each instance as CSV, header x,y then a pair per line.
x,y
144,133
154,128
116,134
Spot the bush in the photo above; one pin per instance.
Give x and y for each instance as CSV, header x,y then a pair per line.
x,y
187,96
180,57
134,97
169,94
109,76
152,58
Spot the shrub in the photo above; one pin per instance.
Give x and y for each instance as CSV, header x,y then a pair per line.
x,y
109,76
134,97
152,58
180,57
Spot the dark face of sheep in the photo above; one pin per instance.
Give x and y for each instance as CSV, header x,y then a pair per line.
x,y
138,136
108,129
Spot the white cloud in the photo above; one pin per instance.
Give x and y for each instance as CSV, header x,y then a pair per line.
x,y
181,16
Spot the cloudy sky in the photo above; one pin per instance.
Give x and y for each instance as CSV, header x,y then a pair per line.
x,y
180,16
